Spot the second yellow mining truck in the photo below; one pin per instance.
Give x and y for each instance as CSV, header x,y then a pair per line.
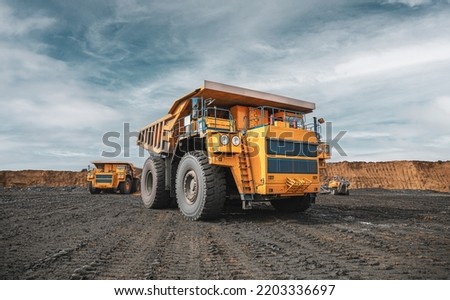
x,y
222,141
113,176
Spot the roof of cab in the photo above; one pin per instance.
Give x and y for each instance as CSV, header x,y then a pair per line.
x,y
113,162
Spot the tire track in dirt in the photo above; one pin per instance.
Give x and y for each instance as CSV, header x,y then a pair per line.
x,y
359,247
379,244
197,251
122,252
201,251
345,258
177,254
131,255
227,254
33,220
343,248
93,236
283,256
371,234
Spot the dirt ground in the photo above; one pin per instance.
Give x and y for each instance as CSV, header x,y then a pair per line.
x,y
66,233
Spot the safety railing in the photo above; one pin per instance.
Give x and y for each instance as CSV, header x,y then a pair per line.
x,y
212,118
220,119
267,115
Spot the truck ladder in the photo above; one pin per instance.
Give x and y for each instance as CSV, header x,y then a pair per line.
x,y
248,185
323,171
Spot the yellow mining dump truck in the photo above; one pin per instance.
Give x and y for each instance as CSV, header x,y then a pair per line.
x,y
224,142
114,176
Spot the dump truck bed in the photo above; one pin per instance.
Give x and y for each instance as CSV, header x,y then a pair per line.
x,y
135,170
228,95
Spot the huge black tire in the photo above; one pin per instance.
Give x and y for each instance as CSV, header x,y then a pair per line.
x,y
125,186
200,187
92,189
292,204
136,187
153,190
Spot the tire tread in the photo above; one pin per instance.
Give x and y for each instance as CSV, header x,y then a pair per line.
x,y
162,197
215,186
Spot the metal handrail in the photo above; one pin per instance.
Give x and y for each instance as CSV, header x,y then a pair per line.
x,y
204,113
287,116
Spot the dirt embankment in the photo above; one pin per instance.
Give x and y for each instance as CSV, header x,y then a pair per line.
x,y
29,178
416,175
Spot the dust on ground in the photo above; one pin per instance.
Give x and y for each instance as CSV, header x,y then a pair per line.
x,y
66,233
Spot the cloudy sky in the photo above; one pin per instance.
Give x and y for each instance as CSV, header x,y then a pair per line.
x,y
72,71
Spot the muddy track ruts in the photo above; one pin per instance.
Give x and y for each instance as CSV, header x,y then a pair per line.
x,y
371,234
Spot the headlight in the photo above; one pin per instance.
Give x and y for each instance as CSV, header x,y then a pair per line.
x,y
320,149
235,140
224,139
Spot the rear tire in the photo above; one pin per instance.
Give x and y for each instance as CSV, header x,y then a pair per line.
x,y
200,187
125,186
293,204
92,189
153,190
136,187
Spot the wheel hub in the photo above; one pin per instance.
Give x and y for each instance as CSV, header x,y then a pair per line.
x,y
190,186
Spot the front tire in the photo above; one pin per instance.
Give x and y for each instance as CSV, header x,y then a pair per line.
x,y
125,186
295,204
200,187
92,189
153,190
